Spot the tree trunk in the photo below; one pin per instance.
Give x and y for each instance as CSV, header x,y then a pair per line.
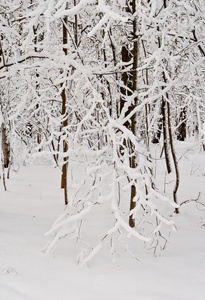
x,y
165,135
133,118
5,153
5,147
130,86
174,158
157,134
181,132
37,39
65,122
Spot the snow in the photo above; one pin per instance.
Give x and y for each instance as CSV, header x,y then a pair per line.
x,y
34,201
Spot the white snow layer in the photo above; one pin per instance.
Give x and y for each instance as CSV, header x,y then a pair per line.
x,y
31,205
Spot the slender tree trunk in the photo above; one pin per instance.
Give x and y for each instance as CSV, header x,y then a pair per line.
x,y
129,80
115,106
181,132
133,118
76,26
35,31
147,106
164,118
174,158
65,123
5,147
167,131
164,114
165,135
5,154
171,140
4,137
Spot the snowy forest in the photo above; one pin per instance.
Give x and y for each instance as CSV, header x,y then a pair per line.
x,y
102,149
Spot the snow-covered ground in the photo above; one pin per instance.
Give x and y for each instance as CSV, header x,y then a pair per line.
x,y
33,202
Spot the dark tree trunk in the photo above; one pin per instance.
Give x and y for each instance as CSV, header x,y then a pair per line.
x,y
129,80
5,147
181,132
65,123
157,134
165,135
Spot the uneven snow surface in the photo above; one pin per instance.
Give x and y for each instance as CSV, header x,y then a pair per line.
x,y
33,202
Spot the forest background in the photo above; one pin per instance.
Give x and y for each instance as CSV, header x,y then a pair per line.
x,y
111,94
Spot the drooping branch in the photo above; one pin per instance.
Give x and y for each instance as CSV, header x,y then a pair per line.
x,y
28,56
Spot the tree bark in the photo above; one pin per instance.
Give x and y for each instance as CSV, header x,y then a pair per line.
x,y
65,122
174,158
181,132
129,80
5,147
